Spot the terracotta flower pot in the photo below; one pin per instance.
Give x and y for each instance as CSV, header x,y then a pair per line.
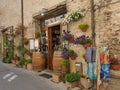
x,y
86,45
26,41
73,57
29,66
115,67
16,61
84,29
13,61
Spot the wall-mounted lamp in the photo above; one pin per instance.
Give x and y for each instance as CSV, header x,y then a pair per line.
x,y
43,11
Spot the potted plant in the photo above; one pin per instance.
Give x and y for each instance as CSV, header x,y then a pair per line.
x,y
72,54
23,63
37,34
83,40
29,64
65,65
115,63
21,49
15,60
74,16
67,36
83,27
18,29
85,82
72,79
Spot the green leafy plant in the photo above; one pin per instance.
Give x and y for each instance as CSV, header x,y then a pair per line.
x,y
72,77
21,49
8,58
83,26
65,62
29,61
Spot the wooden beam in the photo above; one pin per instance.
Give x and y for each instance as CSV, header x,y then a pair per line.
x,y
59,10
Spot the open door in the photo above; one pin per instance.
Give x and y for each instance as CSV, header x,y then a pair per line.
x,y
54,39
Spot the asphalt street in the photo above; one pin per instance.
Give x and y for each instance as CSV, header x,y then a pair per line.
x,y
13,78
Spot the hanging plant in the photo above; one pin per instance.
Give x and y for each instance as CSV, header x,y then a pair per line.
x,y
19,28
83,40
72,54
67,36
37,34
25,40
75,16
83,27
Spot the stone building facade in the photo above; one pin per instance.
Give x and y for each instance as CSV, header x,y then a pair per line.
x,y
107,21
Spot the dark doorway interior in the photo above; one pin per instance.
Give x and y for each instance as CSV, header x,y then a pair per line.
x,y
54,35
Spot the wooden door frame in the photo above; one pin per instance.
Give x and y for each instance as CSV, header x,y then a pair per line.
x,y
50,51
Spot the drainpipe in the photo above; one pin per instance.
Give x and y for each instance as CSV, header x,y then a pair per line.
x,y
93,23
93,35
2,44
22,23
22,20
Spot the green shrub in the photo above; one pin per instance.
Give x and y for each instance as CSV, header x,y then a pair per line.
x,y
6,60
72,77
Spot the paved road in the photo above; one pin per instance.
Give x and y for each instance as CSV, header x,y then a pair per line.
x,y
12,78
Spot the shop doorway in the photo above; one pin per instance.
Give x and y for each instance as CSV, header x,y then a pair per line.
x,y
54,43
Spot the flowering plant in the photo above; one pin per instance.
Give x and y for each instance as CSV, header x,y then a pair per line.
x,y
83,40
67,36
65,53
114,61
73,17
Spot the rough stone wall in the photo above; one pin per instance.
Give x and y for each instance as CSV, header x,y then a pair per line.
x,y
10,12
108,25
73,5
